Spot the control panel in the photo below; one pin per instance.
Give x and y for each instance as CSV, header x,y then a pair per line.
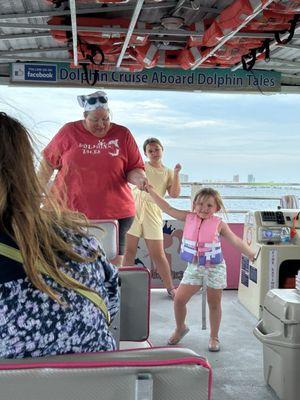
x,y
276,226
273,216
278,218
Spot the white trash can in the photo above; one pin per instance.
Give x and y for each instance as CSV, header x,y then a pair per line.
x,y
279,332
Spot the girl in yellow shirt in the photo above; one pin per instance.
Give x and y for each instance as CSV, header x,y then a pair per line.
x,y
148,219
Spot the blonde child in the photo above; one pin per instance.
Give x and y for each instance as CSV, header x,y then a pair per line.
x,y
148,220
201,248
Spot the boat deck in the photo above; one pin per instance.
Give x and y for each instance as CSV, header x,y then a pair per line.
x,y
238,367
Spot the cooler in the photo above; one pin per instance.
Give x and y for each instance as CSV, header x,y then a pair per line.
x,y
279,332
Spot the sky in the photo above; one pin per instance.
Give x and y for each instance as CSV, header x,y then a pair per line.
x,y
212,135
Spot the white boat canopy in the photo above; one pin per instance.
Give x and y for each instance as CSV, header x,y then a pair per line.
x,y
233,45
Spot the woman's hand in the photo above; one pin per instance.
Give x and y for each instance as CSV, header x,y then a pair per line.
x,y
138,178
142,183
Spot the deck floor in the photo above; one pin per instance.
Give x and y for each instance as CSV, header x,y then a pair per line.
x,y
238,367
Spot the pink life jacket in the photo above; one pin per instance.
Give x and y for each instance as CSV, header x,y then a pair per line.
x,y
201,240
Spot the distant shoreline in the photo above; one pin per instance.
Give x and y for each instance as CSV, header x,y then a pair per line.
x,y
242,183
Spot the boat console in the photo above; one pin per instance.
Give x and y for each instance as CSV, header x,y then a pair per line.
x,y
275,236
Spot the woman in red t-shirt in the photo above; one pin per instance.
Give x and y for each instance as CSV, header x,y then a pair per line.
x,y
95,160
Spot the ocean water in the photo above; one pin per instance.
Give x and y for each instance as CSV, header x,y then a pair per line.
x,y
244,204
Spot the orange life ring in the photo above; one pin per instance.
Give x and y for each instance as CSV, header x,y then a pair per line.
x,y
147,55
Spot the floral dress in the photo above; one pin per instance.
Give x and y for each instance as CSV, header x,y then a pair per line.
x,y
33,325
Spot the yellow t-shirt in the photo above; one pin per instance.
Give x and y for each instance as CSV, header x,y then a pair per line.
x,y
148,218
159,178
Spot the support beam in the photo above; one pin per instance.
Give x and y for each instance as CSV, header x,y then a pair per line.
x,y
153,35
90,10
74,31
12,58
34,50
102,29
132,24
260,35
32,35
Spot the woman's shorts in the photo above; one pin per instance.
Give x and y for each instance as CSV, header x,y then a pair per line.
x,y
148,224
216,275
124,225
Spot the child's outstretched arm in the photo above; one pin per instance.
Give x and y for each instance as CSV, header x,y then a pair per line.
x,y
165,206
236,241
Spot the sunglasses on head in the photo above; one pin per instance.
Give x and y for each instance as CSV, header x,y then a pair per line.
x,y
93,100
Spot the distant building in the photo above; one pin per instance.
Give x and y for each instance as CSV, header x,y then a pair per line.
x,y
236,178
184,177
251,178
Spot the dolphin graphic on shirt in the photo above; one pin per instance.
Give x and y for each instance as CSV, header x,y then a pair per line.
x,y
113,147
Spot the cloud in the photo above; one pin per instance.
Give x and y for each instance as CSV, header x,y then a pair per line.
x,y
131,105
201,123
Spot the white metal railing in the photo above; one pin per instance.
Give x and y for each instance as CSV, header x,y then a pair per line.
x,y
225,183
195,186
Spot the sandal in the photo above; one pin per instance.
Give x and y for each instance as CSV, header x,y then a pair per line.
x,y
214,344
175,338
171,292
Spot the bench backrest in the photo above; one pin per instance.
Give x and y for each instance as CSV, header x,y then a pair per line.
x,y
148,374
108,235
135,304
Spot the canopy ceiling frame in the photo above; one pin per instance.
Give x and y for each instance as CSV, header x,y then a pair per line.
x,y
25,35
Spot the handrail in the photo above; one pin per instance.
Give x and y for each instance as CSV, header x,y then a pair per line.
x,y
226,183
232,197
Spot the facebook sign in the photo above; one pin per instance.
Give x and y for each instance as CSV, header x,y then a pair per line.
x,y
34,72
40,72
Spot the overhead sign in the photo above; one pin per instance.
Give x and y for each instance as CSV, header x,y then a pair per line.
x,y
157,78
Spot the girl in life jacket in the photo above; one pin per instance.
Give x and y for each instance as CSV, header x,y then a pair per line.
x,y
201,248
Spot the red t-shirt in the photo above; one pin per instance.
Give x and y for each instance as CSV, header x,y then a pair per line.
x,y
92,171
